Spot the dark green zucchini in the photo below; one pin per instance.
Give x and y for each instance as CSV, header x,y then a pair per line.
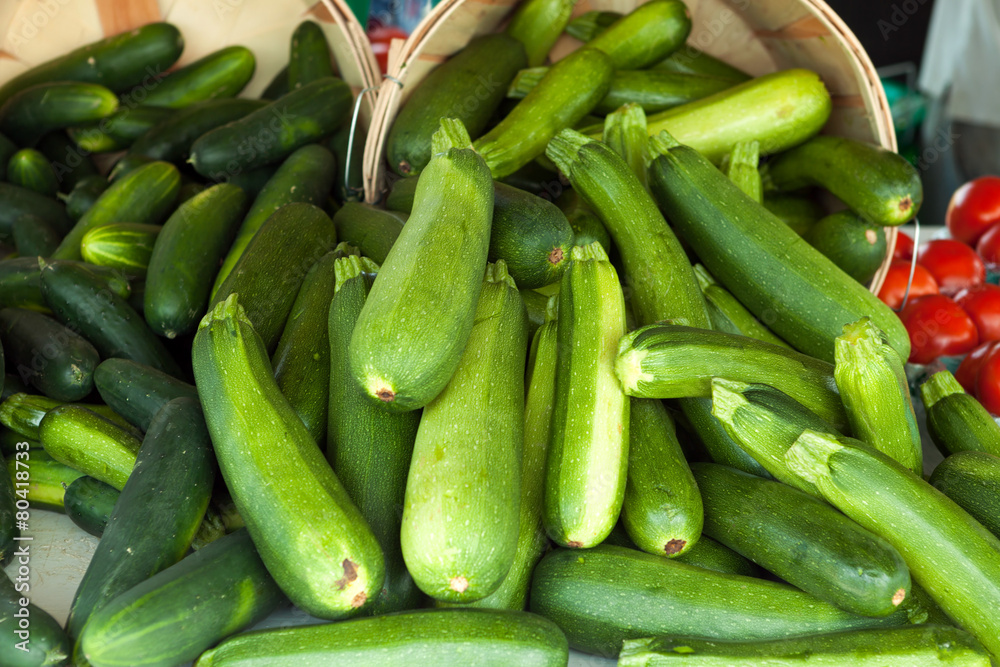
x,y
30,169
89,503
715,556
972,480
956,421
137,391
800,212
32,638
371,230
531,235
851,242
171,139
721,447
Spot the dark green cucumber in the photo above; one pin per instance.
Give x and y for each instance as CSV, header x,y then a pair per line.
x,y
70,165
222,73
445,235
531,235
16,202
309,57
372,230
799,293
120,245
878,184
33,638
537,24
137,391
711,555
30,169
721,447
956,421
145,195
671,361
645,36
569,91
445,637
729,315
152,525
21,287
960,570
301,360
84,195
465,483
268,274
171,139
88,442
44,486
278,85
81,300
89,502
608,594
480,72
274,132
54,359
179,612
588,454
305,176
972,480
802,540
854,244
33,112
369,447
186,256
118,62
876,393
662,511
34,237
917,645
800,212
312,538
118,130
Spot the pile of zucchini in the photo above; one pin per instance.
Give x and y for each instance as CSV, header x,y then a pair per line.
x,y
656,414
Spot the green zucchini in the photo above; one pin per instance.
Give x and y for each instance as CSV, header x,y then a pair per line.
x,y
400,197
608,594
445,637
690,60
657,270
469,86
878,184
802,540
118,62
314,541
145,195
537,24
465,482
173,616
876,393
309,57
854,244
89,502
625,132
445,235
270,271
80,300
84,195
137,391
972,480
962,570
714,437
729,315
917,645
274,132
21,285
118,130
662,510
713,216
34,237
70,166
589,448
800,212
956,421
89,443
531,235
171,139
372,230
219,74
45,485
33,112
646,35
587,227
23,412
569,91
369,447
152,525
186,257
711,555
17,201
671,361
535,305
741,167
305,176
30,169
120,245
33,637
54,359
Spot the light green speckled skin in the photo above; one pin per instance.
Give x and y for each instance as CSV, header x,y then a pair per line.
x,y
314,541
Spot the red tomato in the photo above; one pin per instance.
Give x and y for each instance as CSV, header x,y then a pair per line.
x,y
988,245
973,208
894,287
982,303
380,37
953,264
988,380
904,246
937,327
969,368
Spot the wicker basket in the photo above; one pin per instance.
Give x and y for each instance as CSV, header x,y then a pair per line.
x,y
760,37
